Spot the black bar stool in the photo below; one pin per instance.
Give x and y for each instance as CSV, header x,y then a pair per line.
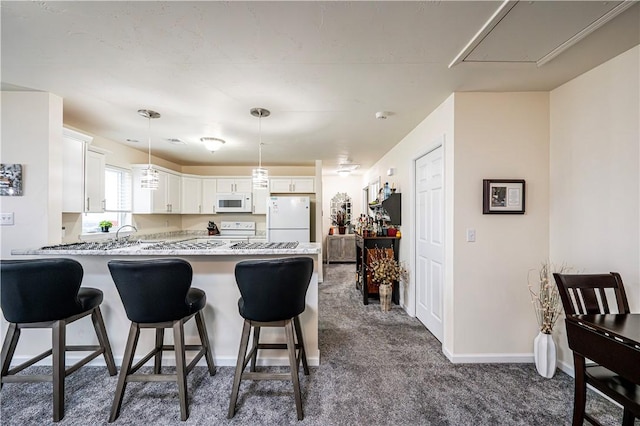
x,y
46,293
273,295
157,294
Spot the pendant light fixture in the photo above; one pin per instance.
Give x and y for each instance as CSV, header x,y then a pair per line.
x,y
260,176
150,179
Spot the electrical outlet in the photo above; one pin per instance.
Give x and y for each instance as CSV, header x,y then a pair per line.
x,y
471,235
6,218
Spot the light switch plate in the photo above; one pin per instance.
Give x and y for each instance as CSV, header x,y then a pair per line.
x,y
6,219
471,235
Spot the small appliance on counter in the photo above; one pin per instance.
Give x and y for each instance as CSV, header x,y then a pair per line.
x,y
213,228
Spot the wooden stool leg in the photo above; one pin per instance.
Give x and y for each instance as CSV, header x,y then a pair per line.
x,y
242,352
101,332
9,348
291,346
181,368
204,339
303,352
127,360
157,361
256,341
58,343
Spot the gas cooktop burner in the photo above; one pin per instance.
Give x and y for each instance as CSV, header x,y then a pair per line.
x,y
263,246
185,245
94,245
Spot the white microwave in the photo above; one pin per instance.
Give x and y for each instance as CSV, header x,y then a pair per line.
x,y
236,202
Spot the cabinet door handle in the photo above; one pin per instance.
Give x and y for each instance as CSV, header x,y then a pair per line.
x,y
88,204
200,208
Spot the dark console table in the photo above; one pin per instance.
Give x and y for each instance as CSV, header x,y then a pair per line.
x,y
363,277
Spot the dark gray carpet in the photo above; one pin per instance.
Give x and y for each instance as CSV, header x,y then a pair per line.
x,y
376,369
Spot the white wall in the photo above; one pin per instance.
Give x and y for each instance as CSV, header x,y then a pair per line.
x,y
32,136
595,180
498,136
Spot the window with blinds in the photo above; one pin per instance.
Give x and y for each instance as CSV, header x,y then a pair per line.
x,y
117,190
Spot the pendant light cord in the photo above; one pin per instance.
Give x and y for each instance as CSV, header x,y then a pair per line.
x,y
260,140
149,140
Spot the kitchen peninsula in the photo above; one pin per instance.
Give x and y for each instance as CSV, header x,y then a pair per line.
x,y
213,263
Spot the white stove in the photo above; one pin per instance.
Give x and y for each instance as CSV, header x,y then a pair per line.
x,y
237,229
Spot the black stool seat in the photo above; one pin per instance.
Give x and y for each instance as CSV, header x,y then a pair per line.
x,y
46,293
273,295
157,294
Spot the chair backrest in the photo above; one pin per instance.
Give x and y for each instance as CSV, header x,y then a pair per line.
x,y
274,289
153,290
585,294
40,290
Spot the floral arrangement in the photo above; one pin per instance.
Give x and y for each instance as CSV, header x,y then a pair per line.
x,y
546,302
341,218
384,268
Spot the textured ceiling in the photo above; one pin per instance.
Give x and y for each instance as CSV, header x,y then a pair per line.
x,y
323,68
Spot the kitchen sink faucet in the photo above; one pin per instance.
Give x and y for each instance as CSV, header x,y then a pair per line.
x,y
124,226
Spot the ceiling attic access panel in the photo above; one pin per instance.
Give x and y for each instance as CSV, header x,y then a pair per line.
x,y
528,31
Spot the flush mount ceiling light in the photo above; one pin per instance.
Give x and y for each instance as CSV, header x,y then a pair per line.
x,y
345,169
150,179
212,144
176,141
260,176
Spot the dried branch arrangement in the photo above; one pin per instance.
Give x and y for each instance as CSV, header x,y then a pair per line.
x,y
546,302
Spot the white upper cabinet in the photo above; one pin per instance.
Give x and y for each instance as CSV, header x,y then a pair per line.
x,y
260,201
165,199
209,195
94,182
191,195
174,190
73,171
233,185
82,174
292,185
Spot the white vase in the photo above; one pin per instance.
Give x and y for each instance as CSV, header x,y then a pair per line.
x,y
544,354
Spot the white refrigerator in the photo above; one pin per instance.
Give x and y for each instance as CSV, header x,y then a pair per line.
x,y
288,219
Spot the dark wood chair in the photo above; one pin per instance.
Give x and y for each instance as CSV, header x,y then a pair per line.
x,y
586,294
46,293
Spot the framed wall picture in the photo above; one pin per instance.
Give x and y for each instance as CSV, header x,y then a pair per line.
x,y
11,179
503,196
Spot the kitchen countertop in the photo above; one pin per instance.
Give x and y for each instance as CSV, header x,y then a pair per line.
x,y
144,248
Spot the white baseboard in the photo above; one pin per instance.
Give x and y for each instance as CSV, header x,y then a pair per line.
x,y
490,358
